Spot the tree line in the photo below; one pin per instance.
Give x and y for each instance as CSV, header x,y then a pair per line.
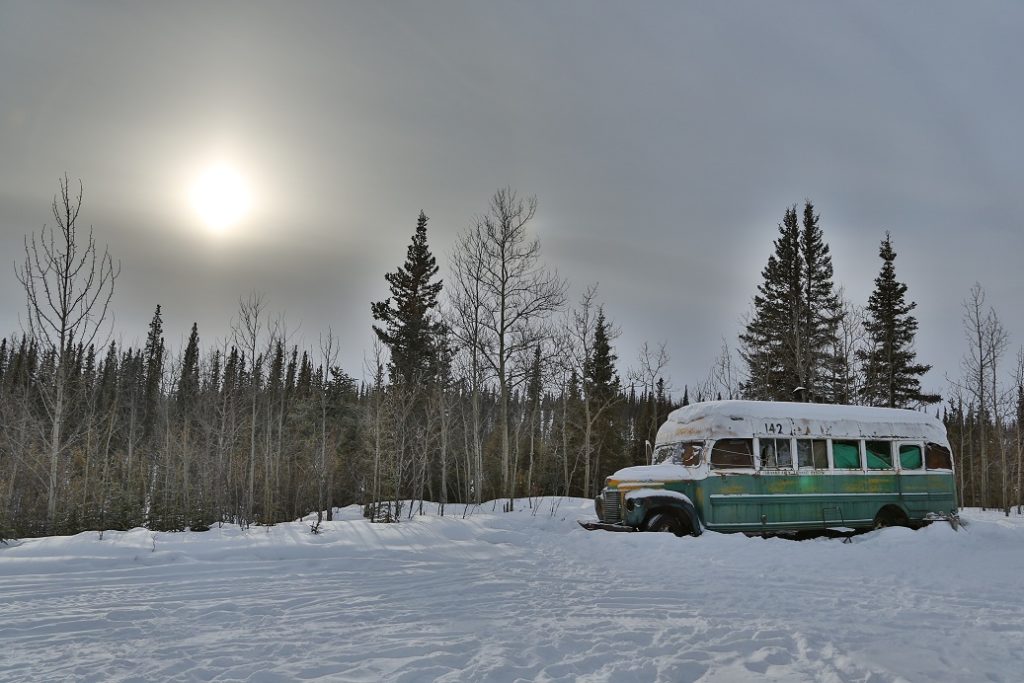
x,y
487,384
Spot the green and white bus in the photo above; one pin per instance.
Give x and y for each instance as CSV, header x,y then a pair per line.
x,y
763,467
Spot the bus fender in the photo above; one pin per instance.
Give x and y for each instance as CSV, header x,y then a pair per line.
x,y
642,502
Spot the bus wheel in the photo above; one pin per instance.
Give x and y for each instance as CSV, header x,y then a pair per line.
x,y
667,522
890,515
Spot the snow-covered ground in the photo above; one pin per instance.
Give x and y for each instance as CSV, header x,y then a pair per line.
x,y
522,596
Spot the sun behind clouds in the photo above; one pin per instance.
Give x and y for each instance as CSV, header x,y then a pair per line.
x,y
221,197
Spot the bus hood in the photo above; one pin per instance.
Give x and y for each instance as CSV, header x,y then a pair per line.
x,y
652,473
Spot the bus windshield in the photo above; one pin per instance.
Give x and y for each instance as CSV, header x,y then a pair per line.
x,y
686,453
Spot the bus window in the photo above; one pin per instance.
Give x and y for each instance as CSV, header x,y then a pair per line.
x,y
910,456
775,454
846,455
879,455
812,453
938,457
732,453
685,453
690,454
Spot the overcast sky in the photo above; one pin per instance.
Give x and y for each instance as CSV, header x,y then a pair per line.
x,y
663,140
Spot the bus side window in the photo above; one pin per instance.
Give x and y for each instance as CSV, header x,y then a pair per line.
x,y
910,456
879,455
812,453
845,455
775,454
732,453
938,457
690,456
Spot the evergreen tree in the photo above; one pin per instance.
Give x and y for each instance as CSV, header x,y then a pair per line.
x,y
4,361
408,328
605,398
534,388
304,383
787,342
771,343
820,306
188,382
108,379
571,430
191,509
600,368
893,377
154,368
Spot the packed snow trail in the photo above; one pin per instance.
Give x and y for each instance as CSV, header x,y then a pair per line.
x,y
524,596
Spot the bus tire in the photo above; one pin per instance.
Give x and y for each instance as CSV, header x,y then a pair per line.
x,y
891,515
667,521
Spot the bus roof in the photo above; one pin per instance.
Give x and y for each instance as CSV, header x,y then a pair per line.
x,y
744,419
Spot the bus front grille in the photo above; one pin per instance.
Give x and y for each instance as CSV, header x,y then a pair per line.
x,y
612,511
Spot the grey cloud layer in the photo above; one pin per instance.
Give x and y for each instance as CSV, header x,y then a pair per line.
x,y
663,141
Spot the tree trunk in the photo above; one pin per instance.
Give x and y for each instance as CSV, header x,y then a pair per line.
x,y
565,442
55,449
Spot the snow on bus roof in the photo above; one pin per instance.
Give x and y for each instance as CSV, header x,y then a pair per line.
x,y
714,419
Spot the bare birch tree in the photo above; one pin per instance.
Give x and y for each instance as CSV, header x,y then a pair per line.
x,y
466,314
376,418
986,342
329,359
68,287
582,324
651,364
723,379
247,331
1018,381
845,373
504,294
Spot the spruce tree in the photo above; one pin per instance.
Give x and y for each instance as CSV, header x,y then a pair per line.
x,y
188,381
408,328
304,383
190,510
3,359
154,369
820,304
787,342
893,377
108,380
534,395
771,343
600,367
604,397
571,431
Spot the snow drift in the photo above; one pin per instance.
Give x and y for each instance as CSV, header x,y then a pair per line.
x,y
521,596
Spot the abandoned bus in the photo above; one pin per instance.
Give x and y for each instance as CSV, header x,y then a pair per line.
x,y
767,467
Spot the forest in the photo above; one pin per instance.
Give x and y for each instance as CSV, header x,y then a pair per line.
x,y
486,383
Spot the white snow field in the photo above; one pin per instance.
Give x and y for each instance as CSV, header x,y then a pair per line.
x,y
523,596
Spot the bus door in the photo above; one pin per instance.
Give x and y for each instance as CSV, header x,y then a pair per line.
x,y
913,487
779,481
